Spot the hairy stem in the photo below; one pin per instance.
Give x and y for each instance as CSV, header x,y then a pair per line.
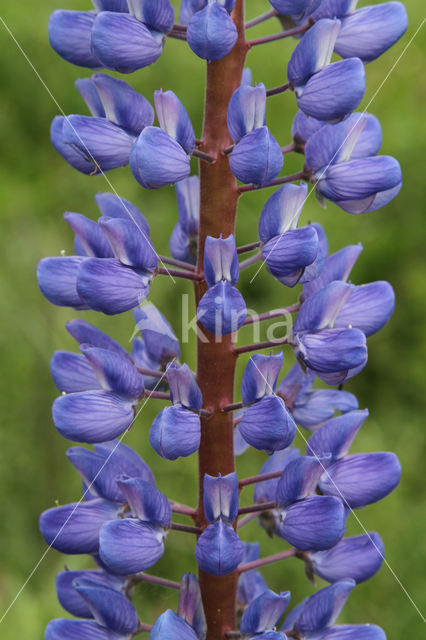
x,y
218,204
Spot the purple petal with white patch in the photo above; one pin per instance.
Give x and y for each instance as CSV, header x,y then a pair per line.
x,y
220,260
188,8
109,607
320,310
174,120
334,92
90,235
372,203
370,31
131,248
240,445
156,14
336,267
145,501
175,432
170,626
92,416
74,528
334,9
317,522
157,159
268,425
69,598
359,558
57,279
221,497
362,478
114,371
256,158
159,338
65,629
184,389
107,285
211,33
70,36
112,206
190,607
264,612
188,202
335,436
123,43
300,479
219,550
71,372
282,211
368,308
222,309
260,376
128,546
246,110
313,52
87,89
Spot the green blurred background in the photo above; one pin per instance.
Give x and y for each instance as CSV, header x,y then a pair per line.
x,y
37,186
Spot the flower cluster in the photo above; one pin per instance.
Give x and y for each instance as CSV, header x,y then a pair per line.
x,y
123,519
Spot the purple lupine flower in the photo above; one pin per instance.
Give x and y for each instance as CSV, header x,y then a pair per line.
x,y
264,612
292,255
250,583
184,239
176,431
160,156
211,33
266,424
219,550
70,599
170,626
70,34
190,607
222,309
160,342
66,629
303,127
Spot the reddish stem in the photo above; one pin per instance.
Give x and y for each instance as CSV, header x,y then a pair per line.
x,y
158,395
188,275
265,16
276,90
177,263
254,508
151,372
182,509
252,260
300,175
232,407
275,313
278,36
260,478
143,628
162,582
185,528
203,156
245,248
289,553
288,148
260,345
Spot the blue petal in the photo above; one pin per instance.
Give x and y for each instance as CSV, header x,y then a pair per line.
x,y
71,372
70,36
182,245
211,33
220,260
128,546
170,626
264,612
124,44
313,51
69,598
333,9
260,376
246,110
175,433
146,502
335,437
323,608
219,550
257,158
157,159
108,286
124,460
246,78
266,491
156,14
87,89
320,310
142,360
92,416
333,92
90,235
74,528
84,332
57,279
183,388
370,31
222,309
317,522
369,307
362,478
190,607
220,497
353,632
296,383
300,479
290,7
359,558
130,247
268,425
109,607
111,5
303,127
73,156
63,629
159,338
99,141
360,178
112,206
188,8
174,120
321,404
282,211
288,255
372,203
115,372
336,267
123,105
250,583
188,202
240,445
